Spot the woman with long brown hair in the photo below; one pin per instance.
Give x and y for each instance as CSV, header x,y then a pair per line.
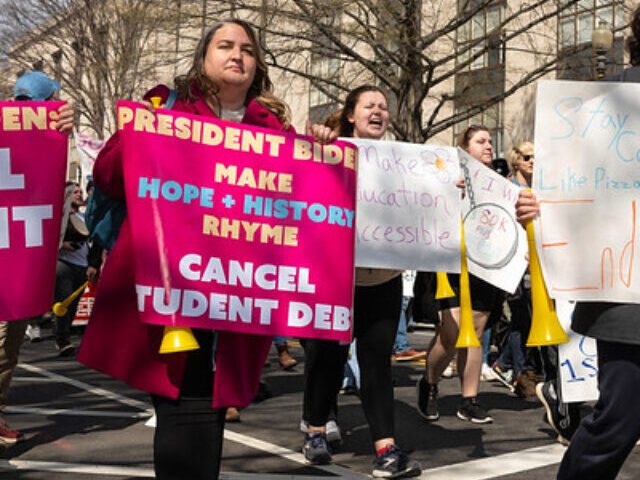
x,y
190,391
476,140
376,312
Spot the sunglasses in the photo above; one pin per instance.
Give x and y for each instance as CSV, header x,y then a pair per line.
x,y
526,158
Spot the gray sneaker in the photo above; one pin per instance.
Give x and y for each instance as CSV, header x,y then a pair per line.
x,y
316,449
394,463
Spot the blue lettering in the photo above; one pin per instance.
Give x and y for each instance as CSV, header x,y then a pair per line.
x,y
252,206
152,188
206,197
280,209
317,212
190,192
593,115
618,152
599,176
335,216
171,190
569,122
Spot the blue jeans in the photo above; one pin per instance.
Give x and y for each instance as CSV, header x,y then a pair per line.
x,y
352,369
402,340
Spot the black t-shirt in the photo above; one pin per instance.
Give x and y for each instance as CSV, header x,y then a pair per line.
x,y
612,322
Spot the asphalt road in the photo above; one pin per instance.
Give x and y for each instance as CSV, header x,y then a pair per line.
x,y
80,425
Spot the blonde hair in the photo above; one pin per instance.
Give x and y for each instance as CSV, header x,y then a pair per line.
x,y
522,148
261,89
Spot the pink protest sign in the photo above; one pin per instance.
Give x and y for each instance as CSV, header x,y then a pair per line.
x,y
239,228
33,161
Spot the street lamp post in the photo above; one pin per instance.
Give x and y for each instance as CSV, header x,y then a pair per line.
x,y
601,41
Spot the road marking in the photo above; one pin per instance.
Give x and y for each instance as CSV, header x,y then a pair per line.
x,y
499,465
64,467
76,412
34,379
131,402
289,454
138,472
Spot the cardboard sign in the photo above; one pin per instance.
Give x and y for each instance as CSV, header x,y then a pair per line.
x,y
239,228
85,306
33,160
587,177
408,206
496,244
578,361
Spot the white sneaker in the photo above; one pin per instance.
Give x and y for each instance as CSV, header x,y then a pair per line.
x,y
450,371
487,374
33,333
304,426
333,432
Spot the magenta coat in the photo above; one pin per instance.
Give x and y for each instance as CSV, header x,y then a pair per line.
x,y
117,343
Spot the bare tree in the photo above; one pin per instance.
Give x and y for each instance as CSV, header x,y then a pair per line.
x,y
423,52
100,51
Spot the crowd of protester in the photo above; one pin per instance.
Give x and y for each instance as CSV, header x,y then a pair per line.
x,y
229,79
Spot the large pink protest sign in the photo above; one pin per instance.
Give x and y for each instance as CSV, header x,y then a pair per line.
x,y
33,158
237,227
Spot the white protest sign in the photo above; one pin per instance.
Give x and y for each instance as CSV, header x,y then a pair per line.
x,y
496,243
408,210
88,149
587,177
578,360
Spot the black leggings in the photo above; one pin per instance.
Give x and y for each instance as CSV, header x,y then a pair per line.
x,y
188,438
376,316
189,433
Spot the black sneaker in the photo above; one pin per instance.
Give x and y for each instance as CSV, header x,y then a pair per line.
x,y
564,418
471,410
65,348
316,449
427,400
394,463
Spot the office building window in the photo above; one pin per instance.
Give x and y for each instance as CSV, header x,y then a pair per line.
x,y
575,26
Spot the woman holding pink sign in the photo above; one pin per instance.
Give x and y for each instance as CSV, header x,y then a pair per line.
x,y
377,304
190,390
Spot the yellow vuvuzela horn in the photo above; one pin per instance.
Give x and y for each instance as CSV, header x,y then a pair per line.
x,y
175,339
545,326
178,339
60,308
443,287
467,336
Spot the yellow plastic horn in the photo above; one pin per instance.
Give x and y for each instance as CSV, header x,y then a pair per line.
x,y
443,287
178,339
467,336
60,308
156,101
545,326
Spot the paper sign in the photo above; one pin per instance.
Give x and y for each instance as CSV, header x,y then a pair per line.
x,y
239,228
578,361
496,244
88,149
408,214
85,306
587,177
33,159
